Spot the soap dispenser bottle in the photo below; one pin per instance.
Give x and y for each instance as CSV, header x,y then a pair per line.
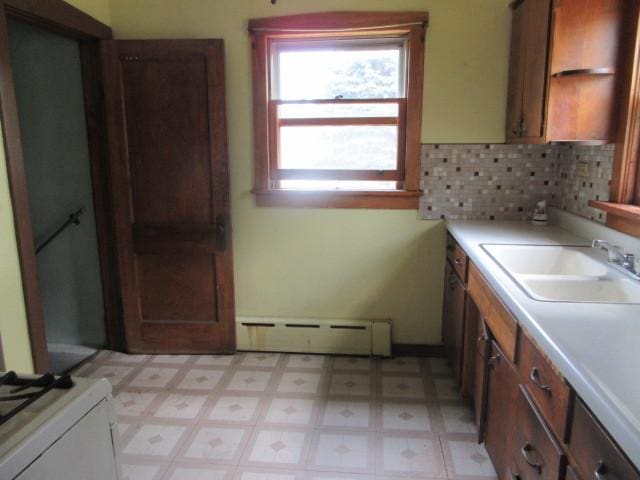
x,y
540,216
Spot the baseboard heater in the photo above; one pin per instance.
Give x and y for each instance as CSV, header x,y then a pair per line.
x,y
308,335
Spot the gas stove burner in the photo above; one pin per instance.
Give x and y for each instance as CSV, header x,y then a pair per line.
x,y
28,390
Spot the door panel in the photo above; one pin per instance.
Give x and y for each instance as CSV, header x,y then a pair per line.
x,y
176,300
171,193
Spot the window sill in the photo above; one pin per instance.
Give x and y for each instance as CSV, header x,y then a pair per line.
x,y
392,200
620,216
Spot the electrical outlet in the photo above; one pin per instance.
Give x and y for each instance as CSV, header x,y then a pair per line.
x,y
582,170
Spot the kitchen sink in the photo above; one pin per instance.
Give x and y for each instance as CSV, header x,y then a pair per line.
x,y
546,260
557,273
598,291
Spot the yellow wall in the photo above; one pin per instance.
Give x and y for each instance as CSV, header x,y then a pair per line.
x,y
13,320
98,9
345,263
322,263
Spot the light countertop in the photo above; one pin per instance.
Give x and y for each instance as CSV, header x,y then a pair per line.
x,y
595,346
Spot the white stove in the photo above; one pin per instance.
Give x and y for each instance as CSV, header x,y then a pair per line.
x,y
57,428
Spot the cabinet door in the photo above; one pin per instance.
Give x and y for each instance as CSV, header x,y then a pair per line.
x,y
537,14
469,345
537,454
592,450
584,58
482,351
516,74
453,326
501,400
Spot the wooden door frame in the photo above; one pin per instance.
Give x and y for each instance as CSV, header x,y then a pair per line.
x,y
59,17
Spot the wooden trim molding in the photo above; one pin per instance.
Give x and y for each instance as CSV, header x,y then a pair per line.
x,y
61,18
20,203
622,217
336,25
622,210
628,136
630,212
391,200
329,22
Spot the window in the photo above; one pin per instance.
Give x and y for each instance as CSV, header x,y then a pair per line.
x,y
623,210
337,109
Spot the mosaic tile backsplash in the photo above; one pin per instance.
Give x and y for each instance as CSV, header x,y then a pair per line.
x,y
504,182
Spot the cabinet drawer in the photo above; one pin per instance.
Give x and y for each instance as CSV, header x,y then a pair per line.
x,y
458,258
536,453
546,386
503,326
593,451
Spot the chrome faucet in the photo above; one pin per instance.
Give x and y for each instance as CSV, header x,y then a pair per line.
x,y
617,256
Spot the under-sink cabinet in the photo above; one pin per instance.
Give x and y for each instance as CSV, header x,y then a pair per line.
x,y
532,422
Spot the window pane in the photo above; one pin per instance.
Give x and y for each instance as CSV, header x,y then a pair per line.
x,y
337,71
364,147
337,185
328,110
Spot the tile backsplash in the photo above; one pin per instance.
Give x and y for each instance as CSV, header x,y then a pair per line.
x,y
503,182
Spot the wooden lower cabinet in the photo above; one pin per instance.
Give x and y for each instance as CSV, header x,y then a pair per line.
x,y
593,452
500,412
469,346
453,321
535,451
530,419
551,394
481,366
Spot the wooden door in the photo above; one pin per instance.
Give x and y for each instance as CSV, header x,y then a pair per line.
x,y
454,298
170,188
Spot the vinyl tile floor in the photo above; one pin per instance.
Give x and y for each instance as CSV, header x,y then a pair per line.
x,y
262,416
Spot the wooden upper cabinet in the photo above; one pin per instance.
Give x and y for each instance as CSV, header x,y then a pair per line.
x,y
564,56
528,71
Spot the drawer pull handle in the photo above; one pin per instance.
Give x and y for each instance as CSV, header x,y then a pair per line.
x,y
600,472
526,454
457,261
535,379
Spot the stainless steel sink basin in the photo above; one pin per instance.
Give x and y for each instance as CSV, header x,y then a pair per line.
x,y
556,273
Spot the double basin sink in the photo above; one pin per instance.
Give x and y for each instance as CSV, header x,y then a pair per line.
x,y
556,273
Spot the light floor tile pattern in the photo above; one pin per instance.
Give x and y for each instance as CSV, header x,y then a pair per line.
x,y
262,416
